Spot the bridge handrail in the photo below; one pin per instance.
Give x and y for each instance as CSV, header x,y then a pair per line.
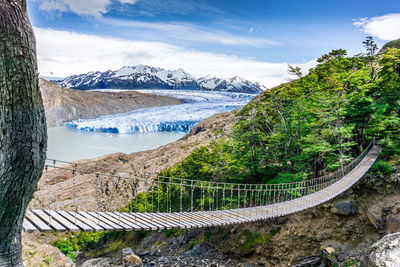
x,y
339,173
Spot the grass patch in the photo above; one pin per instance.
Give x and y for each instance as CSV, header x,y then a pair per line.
x,y
175,232
253,239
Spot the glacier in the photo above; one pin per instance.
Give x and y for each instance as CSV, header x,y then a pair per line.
x,y
197,105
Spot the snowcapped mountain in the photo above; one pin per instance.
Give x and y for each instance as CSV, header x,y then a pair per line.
x,y
146,77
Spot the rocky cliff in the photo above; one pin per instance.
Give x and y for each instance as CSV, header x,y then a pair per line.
x,y
63,104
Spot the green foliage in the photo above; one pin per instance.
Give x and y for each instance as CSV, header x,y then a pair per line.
x,y
47,261
170,232
248,240
73,242
212,163
175,232
381,166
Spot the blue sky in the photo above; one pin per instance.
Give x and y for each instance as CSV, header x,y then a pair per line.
x,y
255,39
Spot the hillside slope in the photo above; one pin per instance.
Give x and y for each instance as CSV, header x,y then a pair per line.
x,y
391,44
63,104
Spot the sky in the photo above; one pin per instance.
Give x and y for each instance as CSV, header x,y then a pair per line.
x,y
254,39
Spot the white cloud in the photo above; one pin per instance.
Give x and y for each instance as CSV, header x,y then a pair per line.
x,y
86,7
385,27
81,7
190,32
252,29
132,2
65,53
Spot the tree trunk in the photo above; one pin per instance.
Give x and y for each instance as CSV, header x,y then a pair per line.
x,y
22,126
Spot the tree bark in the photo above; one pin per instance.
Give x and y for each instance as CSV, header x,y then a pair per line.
x,y
22,126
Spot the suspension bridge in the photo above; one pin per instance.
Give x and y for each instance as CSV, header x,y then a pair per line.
x,y
167,202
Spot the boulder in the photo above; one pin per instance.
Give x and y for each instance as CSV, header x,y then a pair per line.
x,y
375,218
101,262
345,208
132,259
330,250
392,223
36,254
129,258
200,250
386,252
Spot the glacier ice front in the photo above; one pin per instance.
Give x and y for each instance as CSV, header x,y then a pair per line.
x,y
176,118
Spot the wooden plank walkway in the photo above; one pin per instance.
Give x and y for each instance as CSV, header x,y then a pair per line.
x,y
61,221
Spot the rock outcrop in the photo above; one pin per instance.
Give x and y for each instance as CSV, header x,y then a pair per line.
x,y
38,254
386,252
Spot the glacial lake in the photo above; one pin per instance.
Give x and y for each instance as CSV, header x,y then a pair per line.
x,y
71,144
141,129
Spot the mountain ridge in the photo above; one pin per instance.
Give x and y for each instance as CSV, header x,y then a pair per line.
x,y
147,77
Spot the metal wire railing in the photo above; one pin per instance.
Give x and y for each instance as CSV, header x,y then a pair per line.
x,y
173,194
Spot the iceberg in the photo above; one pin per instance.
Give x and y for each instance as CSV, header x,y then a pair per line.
x,y
196,106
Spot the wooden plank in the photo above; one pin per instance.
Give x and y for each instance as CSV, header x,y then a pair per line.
x,y
171,221
28,227
111,218
200,221
138,221
127,220
120,217
97,215
233,216
94,225
137,225
157,220
200,218
69,226
134,218
189,218
216,217
149,222
37,222
100,222
49,220
120,220
78,223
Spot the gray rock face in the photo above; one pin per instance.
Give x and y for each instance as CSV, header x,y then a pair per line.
x,y
100,262
200,249
392,223
345,208
386,252
375,217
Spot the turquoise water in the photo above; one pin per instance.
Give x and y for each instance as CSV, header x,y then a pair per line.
x,y
70,145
